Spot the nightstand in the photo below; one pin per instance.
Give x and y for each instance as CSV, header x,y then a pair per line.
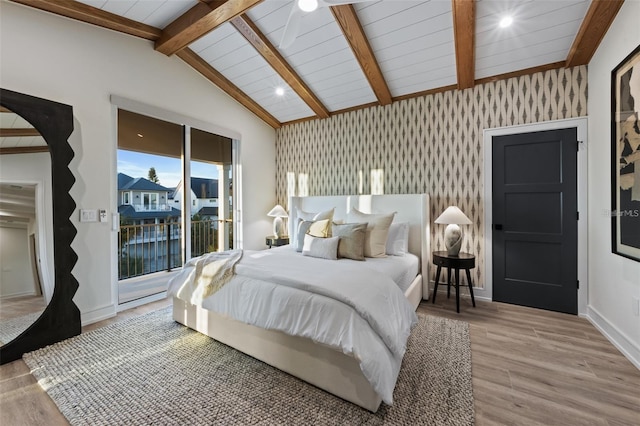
x,y
464,261
272,241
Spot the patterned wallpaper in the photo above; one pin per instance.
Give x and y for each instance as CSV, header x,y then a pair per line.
x,y
431,144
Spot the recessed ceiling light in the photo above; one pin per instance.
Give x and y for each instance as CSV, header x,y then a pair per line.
x,y
279,91
308,5
506,21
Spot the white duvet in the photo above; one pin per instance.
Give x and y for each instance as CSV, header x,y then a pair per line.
x,y
339,303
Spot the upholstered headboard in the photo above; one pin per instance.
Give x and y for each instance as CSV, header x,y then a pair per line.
x,y
411,208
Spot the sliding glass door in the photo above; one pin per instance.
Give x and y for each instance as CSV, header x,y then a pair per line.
x,y
175,186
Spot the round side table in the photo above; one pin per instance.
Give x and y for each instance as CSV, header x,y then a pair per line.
x,y
464,261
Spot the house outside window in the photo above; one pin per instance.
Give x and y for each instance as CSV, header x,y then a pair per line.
x,y
125,198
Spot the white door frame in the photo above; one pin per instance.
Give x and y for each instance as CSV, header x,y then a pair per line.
x,y
580,124
188,122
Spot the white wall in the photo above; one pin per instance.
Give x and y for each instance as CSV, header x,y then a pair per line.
x,y
613,280
34,168
16,274
82,65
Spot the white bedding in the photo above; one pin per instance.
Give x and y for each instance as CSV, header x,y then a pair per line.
x,y
402,269
371,320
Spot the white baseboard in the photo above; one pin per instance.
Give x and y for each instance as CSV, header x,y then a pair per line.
x,y
110,311
142,301
16,295
99,314
628,348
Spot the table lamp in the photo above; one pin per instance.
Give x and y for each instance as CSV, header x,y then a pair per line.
x,y
452,217
278,212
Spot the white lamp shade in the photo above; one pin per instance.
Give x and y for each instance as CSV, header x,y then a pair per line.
x,y
278,228
453,215
278,211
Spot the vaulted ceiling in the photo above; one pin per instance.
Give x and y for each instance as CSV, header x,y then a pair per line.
x,y
353,56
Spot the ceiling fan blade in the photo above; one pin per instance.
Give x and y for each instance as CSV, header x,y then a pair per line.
x,y
292,29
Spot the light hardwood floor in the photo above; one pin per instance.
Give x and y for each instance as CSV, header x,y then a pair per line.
x,y
19,306
530,367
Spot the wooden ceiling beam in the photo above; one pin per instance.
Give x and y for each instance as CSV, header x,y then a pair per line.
x,y
23,150
211,74
259,41
464,32
10,132
93,15
594,26
345,16
198,21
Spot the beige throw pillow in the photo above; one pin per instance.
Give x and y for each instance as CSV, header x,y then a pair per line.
x,y
377,231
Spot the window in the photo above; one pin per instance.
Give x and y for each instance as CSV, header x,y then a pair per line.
x,y
150,201
125,198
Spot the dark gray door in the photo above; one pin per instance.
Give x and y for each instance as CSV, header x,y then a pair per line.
x,y
535,226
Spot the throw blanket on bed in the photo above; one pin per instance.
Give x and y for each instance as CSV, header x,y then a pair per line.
x,y
204,275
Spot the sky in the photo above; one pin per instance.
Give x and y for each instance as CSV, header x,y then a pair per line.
x,y
136,164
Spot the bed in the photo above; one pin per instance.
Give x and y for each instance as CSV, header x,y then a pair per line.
x,y
325,363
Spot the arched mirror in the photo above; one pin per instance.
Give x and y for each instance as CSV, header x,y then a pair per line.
x,y
36,284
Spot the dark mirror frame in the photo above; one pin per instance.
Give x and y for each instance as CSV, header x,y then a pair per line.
x,y
61,318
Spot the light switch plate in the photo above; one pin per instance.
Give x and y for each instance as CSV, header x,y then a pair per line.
x,y
103,215
88,215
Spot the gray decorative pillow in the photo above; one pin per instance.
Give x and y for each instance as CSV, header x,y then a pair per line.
x,y
351,245
324,248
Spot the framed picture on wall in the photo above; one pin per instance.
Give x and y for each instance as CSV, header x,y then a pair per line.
x,y
625,157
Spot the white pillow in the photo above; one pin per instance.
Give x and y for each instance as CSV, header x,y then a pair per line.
x,y
324,248
398,239
375,240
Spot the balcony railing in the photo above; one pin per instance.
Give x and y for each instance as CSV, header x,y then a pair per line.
x,y
149,248
151,207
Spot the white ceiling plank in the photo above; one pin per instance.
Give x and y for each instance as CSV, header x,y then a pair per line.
x,y
422,49
554,43
425,16
118,7
167,13
496,68
219,35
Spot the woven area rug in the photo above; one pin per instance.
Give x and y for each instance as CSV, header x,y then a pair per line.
x,y
152,370
12,327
